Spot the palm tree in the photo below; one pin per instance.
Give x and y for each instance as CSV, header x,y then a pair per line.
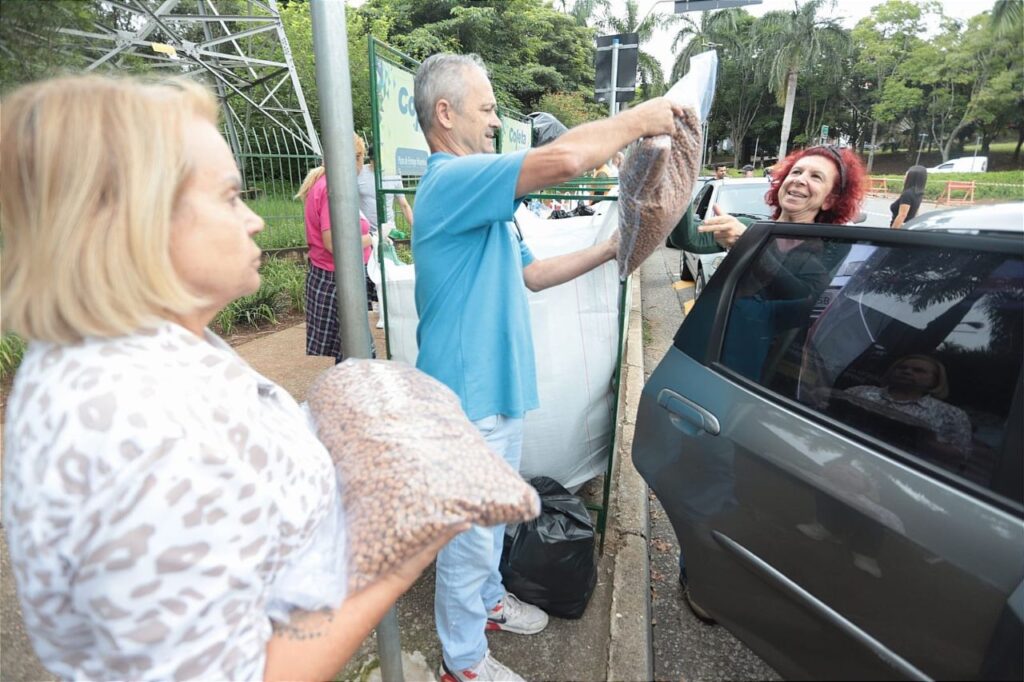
x,y
798,39
1007,17
652,77
583,10
715,29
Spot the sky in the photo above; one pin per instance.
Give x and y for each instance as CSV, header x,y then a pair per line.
x,y
848,12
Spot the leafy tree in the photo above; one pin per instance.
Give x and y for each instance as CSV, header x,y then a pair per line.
x,y
359,25
571,108
955,70
797,39
531,49
884,39
32,45
583,11
742,78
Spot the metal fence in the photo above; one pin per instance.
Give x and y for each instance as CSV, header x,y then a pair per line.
x,y
273,166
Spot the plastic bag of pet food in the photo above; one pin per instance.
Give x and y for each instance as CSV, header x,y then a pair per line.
x,y
656,179
410,462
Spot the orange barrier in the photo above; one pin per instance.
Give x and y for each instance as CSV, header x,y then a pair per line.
x,y
964,190
879,187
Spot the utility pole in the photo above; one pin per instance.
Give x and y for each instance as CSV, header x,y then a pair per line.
x,y
334,82
923,137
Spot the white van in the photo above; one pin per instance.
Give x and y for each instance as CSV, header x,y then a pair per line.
x,y
967,164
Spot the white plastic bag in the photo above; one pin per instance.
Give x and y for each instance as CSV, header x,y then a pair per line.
x,y
697,88
656,180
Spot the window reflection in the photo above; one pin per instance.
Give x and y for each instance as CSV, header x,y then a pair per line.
x,y
919,347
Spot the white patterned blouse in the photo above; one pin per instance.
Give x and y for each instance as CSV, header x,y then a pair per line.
x,y
161,500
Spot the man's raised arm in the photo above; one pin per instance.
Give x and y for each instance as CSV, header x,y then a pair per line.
x,y
589,145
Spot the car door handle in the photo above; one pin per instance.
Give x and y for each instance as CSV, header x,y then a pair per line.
x,y
688,416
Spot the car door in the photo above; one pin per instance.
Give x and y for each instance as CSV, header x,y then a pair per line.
x,y
837,536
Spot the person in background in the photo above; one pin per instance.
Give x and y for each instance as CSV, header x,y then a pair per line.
x,y
368,195
748,171
720,171
157,490
609,169
474,333
322,333
906,206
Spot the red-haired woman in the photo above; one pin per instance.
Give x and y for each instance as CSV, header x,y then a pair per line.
x,y
823,184
816,185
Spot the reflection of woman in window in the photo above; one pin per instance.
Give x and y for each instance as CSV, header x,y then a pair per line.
x,y
916,385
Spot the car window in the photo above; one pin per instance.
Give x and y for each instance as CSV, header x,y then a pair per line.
x,y
746,198
945,166
919,348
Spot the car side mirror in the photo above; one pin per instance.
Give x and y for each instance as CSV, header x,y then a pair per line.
x,y
861,217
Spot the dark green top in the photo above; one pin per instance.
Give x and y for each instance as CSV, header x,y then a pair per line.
x,y
686,237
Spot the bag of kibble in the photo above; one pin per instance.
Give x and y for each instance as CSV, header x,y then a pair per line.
x,y
657,177
410,463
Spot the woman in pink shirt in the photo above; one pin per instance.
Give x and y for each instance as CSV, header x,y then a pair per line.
x,y
322,337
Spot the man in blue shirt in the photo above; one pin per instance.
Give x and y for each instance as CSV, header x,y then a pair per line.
x,y
472,271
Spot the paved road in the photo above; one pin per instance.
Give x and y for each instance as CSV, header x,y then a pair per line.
x,y
684,648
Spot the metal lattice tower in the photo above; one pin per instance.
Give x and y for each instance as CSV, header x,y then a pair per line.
x,y
244,55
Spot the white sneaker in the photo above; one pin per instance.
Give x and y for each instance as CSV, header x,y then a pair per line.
x,y
512,615
487,670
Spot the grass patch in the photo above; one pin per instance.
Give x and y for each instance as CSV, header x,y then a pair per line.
x,y
997,185
288,277
285,225
12,348
282,288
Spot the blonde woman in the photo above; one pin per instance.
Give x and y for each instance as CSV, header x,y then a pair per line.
x,y
161,500
323,336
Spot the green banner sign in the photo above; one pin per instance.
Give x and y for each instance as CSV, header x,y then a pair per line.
x,y
403,149
515,134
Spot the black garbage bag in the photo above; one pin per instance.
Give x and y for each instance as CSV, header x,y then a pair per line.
x,y
549,562
545,127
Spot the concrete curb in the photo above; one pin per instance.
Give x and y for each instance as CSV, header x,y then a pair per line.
x,y
630,657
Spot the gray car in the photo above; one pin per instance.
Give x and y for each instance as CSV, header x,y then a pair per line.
x,y
846,476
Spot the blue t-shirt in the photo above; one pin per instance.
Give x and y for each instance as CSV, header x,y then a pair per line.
x,y
474,333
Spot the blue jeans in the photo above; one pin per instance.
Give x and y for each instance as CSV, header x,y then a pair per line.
x,y
468,583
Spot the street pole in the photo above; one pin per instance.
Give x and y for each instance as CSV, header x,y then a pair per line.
x,y
335,87
923,137
613,96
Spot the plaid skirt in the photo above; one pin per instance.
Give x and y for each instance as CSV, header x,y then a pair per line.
x,y
322,335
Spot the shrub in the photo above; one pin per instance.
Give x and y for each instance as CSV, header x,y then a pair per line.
x,y
12,348
288,277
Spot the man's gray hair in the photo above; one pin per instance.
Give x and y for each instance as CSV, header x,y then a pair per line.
x,y
440,76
